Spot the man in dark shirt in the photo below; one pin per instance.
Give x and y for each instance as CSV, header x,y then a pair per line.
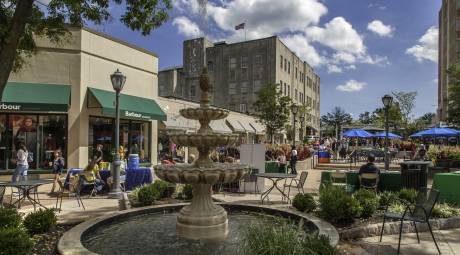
x,y
369,167
98,154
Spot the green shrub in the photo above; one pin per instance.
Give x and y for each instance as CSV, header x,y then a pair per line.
x,y
40,221
9,218
387,198
15,241
368,202
148,194
397,207
304,202
337,206
188,191
278,236
444,210
409,195
163,188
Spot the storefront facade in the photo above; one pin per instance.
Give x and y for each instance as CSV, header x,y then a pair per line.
x,y
63,100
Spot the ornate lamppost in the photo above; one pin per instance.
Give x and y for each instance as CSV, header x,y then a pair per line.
x,y
118,81
387,100
294,110
302,126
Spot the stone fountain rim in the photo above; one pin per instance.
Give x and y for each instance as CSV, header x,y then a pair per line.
x,y
67,244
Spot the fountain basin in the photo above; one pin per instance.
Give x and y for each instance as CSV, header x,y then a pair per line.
x,y
210,140
200,113
151,230
191,174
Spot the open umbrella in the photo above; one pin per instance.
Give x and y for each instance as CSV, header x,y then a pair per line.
x,y
360,133
436,132
390,135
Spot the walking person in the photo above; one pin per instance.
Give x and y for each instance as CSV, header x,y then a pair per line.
x,y
293,161
22,164
281,161
58,167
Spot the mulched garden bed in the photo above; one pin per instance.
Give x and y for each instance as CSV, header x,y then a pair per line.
x,y
46,244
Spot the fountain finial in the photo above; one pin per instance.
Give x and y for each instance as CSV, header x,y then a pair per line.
x,y
205,87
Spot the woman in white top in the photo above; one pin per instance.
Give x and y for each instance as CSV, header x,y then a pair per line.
x,y
293,160
22,164
281,161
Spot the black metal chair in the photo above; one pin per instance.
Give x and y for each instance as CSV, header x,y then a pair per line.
x,y
298,184
369,181
425,202
71,187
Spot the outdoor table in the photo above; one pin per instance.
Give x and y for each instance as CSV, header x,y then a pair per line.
x,y
275,178
448,186
389,181
25,188
136,177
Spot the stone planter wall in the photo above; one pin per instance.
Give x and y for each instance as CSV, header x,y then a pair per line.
x,y
392,228
305,164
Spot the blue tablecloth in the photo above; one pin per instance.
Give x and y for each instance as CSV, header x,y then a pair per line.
x,y
137,177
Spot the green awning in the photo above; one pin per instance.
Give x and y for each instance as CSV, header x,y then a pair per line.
x,y
130,106
20,96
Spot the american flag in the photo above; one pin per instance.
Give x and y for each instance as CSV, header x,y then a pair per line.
x,y
240,26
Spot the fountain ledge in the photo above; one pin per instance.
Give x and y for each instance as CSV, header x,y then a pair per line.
x,y
68,244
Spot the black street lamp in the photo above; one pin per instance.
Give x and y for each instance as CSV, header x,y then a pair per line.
x,y
387,100
302,126
118,81
294,110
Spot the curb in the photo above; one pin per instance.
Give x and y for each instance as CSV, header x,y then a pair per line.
x,y
392,228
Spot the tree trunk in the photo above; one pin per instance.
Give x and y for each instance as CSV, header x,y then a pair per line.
x,y
9,46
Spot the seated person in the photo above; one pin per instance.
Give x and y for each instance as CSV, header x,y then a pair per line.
x,y
370,168
91,174
421,154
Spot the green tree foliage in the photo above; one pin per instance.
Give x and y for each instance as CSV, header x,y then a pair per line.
x,y
22,21
453,111
395,116
367,118
336,119
272,109
406,101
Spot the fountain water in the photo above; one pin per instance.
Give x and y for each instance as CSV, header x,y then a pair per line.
x,y
203,219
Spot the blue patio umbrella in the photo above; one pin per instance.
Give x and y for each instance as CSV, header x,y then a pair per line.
x,y
436,132
390,135
360,133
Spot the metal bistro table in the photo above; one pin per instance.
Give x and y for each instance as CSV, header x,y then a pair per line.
x,y
25,188
275,178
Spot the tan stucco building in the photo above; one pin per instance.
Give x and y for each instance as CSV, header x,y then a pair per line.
x,y
64,100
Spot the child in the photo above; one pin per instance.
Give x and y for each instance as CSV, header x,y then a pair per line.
x,y
58,167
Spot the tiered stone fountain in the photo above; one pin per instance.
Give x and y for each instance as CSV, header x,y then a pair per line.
x,y
203,219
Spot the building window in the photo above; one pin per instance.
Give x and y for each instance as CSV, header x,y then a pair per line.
x,y
284,89
41,134
244,68
258,59
244,87
232,69
289,91
210,66
257,86
285,64
296,92
281,62
232,88
242,107
289,67
192,91
296,73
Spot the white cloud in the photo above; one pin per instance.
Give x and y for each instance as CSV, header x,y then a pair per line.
x,y
351,86
301,47
427,47
187,27
339,35
435,81
334,69
381,29
265,17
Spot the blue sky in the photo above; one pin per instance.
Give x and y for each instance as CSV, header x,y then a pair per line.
x,y
362,49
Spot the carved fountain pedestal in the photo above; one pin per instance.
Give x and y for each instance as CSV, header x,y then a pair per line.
x,y
203,219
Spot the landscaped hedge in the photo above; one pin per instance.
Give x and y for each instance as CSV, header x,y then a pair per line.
x,y
40,221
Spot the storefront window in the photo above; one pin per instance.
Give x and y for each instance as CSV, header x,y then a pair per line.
x,y
134,138
41,134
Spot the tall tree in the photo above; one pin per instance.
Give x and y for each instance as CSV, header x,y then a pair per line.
x,y
453,110
395,116
272,109
21,21
336,119
426,119
406,101
366,118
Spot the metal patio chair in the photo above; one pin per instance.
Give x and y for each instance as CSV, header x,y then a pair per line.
x,y
369,181
425,202
296,184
